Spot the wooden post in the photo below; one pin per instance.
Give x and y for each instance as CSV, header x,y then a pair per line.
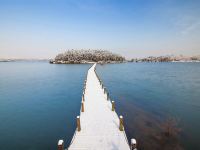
x,y
78,122
60,145
102,85
82,106
121,123
113,105
107,96
133,144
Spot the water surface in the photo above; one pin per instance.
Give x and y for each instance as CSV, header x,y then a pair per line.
x,y
148,94
38,104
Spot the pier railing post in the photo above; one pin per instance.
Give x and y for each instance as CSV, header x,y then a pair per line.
x,y
78,122
113,105
107,96
121,123
60,145
133,144
82,106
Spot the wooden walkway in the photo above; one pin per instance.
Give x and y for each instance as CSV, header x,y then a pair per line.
x,y
99,125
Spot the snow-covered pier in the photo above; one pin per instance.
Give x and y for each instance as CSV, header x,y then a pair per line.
x,y
98,126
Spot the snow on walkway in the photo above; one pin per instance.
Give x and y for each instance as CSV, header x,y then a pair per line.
x,y
99,124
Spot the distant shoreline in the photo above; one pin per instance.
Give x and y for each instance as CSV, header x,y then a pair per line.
x,y
168,58
164,61
16,60
90,62
103,57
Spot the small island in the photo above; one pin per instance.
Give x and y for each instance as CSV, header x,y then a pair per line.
x,y
87,56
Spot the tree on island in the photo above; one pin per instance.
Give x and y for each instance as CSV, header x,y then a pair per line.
x,y
84,56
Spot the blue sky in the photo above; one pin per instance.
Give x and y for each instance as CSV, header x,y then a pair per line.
x,y
133,28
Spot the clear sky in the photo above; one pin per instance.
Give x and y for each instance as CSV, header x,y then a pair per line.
x,y
133,28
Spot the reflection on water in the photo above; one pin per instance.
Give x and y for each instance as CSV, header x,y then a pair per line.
x,y
159,102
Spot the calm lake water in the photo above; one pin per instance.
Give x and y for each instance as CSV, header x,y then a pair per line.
x,y
40,101
148,94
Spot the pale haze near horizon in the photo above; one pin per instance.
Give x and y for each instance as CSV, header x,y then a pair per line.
x,y
132,28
